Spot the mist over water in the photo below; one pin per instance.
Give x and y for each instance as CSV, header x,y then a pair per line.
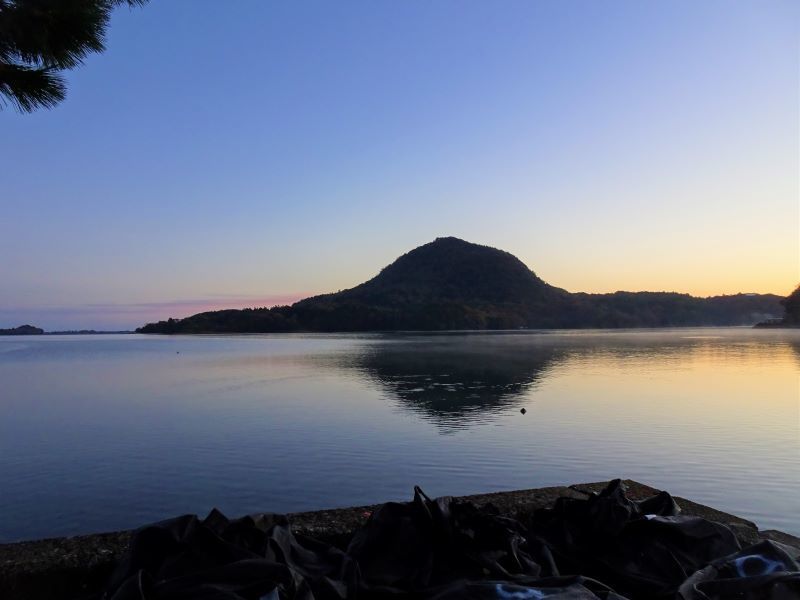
x,y
110,432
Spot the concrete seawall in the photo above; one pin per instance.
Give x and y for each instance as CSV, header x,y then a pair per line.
x,y
77,567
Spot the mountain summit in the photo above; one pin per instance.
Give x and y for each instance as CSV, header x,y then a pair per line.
x,y
450,269
447,284
451,284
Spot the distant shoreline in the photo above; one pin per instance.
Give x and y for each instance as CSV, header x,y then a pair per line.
x,y
776,326
430,332
87,332
15,333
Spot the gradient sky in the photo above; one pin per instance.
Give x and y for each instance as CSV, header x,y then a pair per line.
x,y
252,152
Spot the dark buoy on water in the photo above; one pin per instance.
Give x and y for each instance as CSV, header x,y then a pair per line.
x,y
522,410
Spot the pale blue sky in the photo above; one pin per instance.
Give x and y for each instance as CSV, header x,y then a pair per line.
x,y
252,152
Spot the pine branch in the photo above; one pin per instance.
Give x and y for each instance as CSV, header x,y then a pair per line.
x,y
52,33
40,37
28,89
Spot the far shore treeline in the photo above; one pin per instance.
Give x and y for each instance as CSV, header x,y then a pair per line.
x,y
450,284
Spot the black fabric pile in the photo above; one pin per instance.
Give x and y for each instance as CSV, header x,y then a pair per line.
x,y
606,546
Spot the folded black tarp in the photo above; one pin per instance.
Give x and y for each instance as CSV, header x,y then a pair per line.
x,y
643,549
761,572
606,547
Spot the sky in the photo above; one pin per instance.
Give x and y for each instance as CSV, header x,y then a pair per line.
x,y
252,153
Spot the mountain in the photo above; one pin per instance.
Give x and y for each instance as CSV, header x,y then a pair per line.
x,y
22,330
452,284
446,284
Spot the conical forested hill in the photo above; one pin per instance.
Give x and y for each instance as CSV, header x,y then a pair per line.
x,y
446,284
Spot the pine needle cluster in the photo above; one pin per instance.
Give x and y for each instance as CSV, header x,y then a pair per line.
x,y
39,39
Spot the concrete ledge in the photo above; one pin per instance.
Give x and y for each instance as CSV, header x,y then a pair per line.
x,y
77,567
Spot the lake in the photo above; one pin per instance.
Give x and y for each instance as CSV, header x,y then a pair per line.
x,y
111,432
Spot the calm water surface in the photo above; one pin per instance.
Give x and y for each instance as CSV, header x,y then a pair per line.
x,y
111,432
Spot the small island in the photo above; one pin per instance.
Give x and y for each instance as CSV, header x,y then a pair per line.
x,y
22,330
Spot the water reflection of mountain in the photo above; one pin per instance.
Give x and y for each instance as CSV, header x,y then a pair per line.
x,y
457,381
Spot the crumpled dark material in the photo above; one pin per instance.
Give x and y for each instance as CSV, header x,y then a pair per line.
x,y
643,549
553,588
216,558
764,571
425,543
605,547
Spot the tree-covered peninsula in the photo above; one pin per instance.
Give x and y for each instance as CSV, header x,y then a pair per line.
x,y
791,314
451,284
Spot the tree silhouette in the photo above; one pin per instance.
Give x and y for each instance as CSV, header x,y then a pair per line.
x,y
792,306
41,38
